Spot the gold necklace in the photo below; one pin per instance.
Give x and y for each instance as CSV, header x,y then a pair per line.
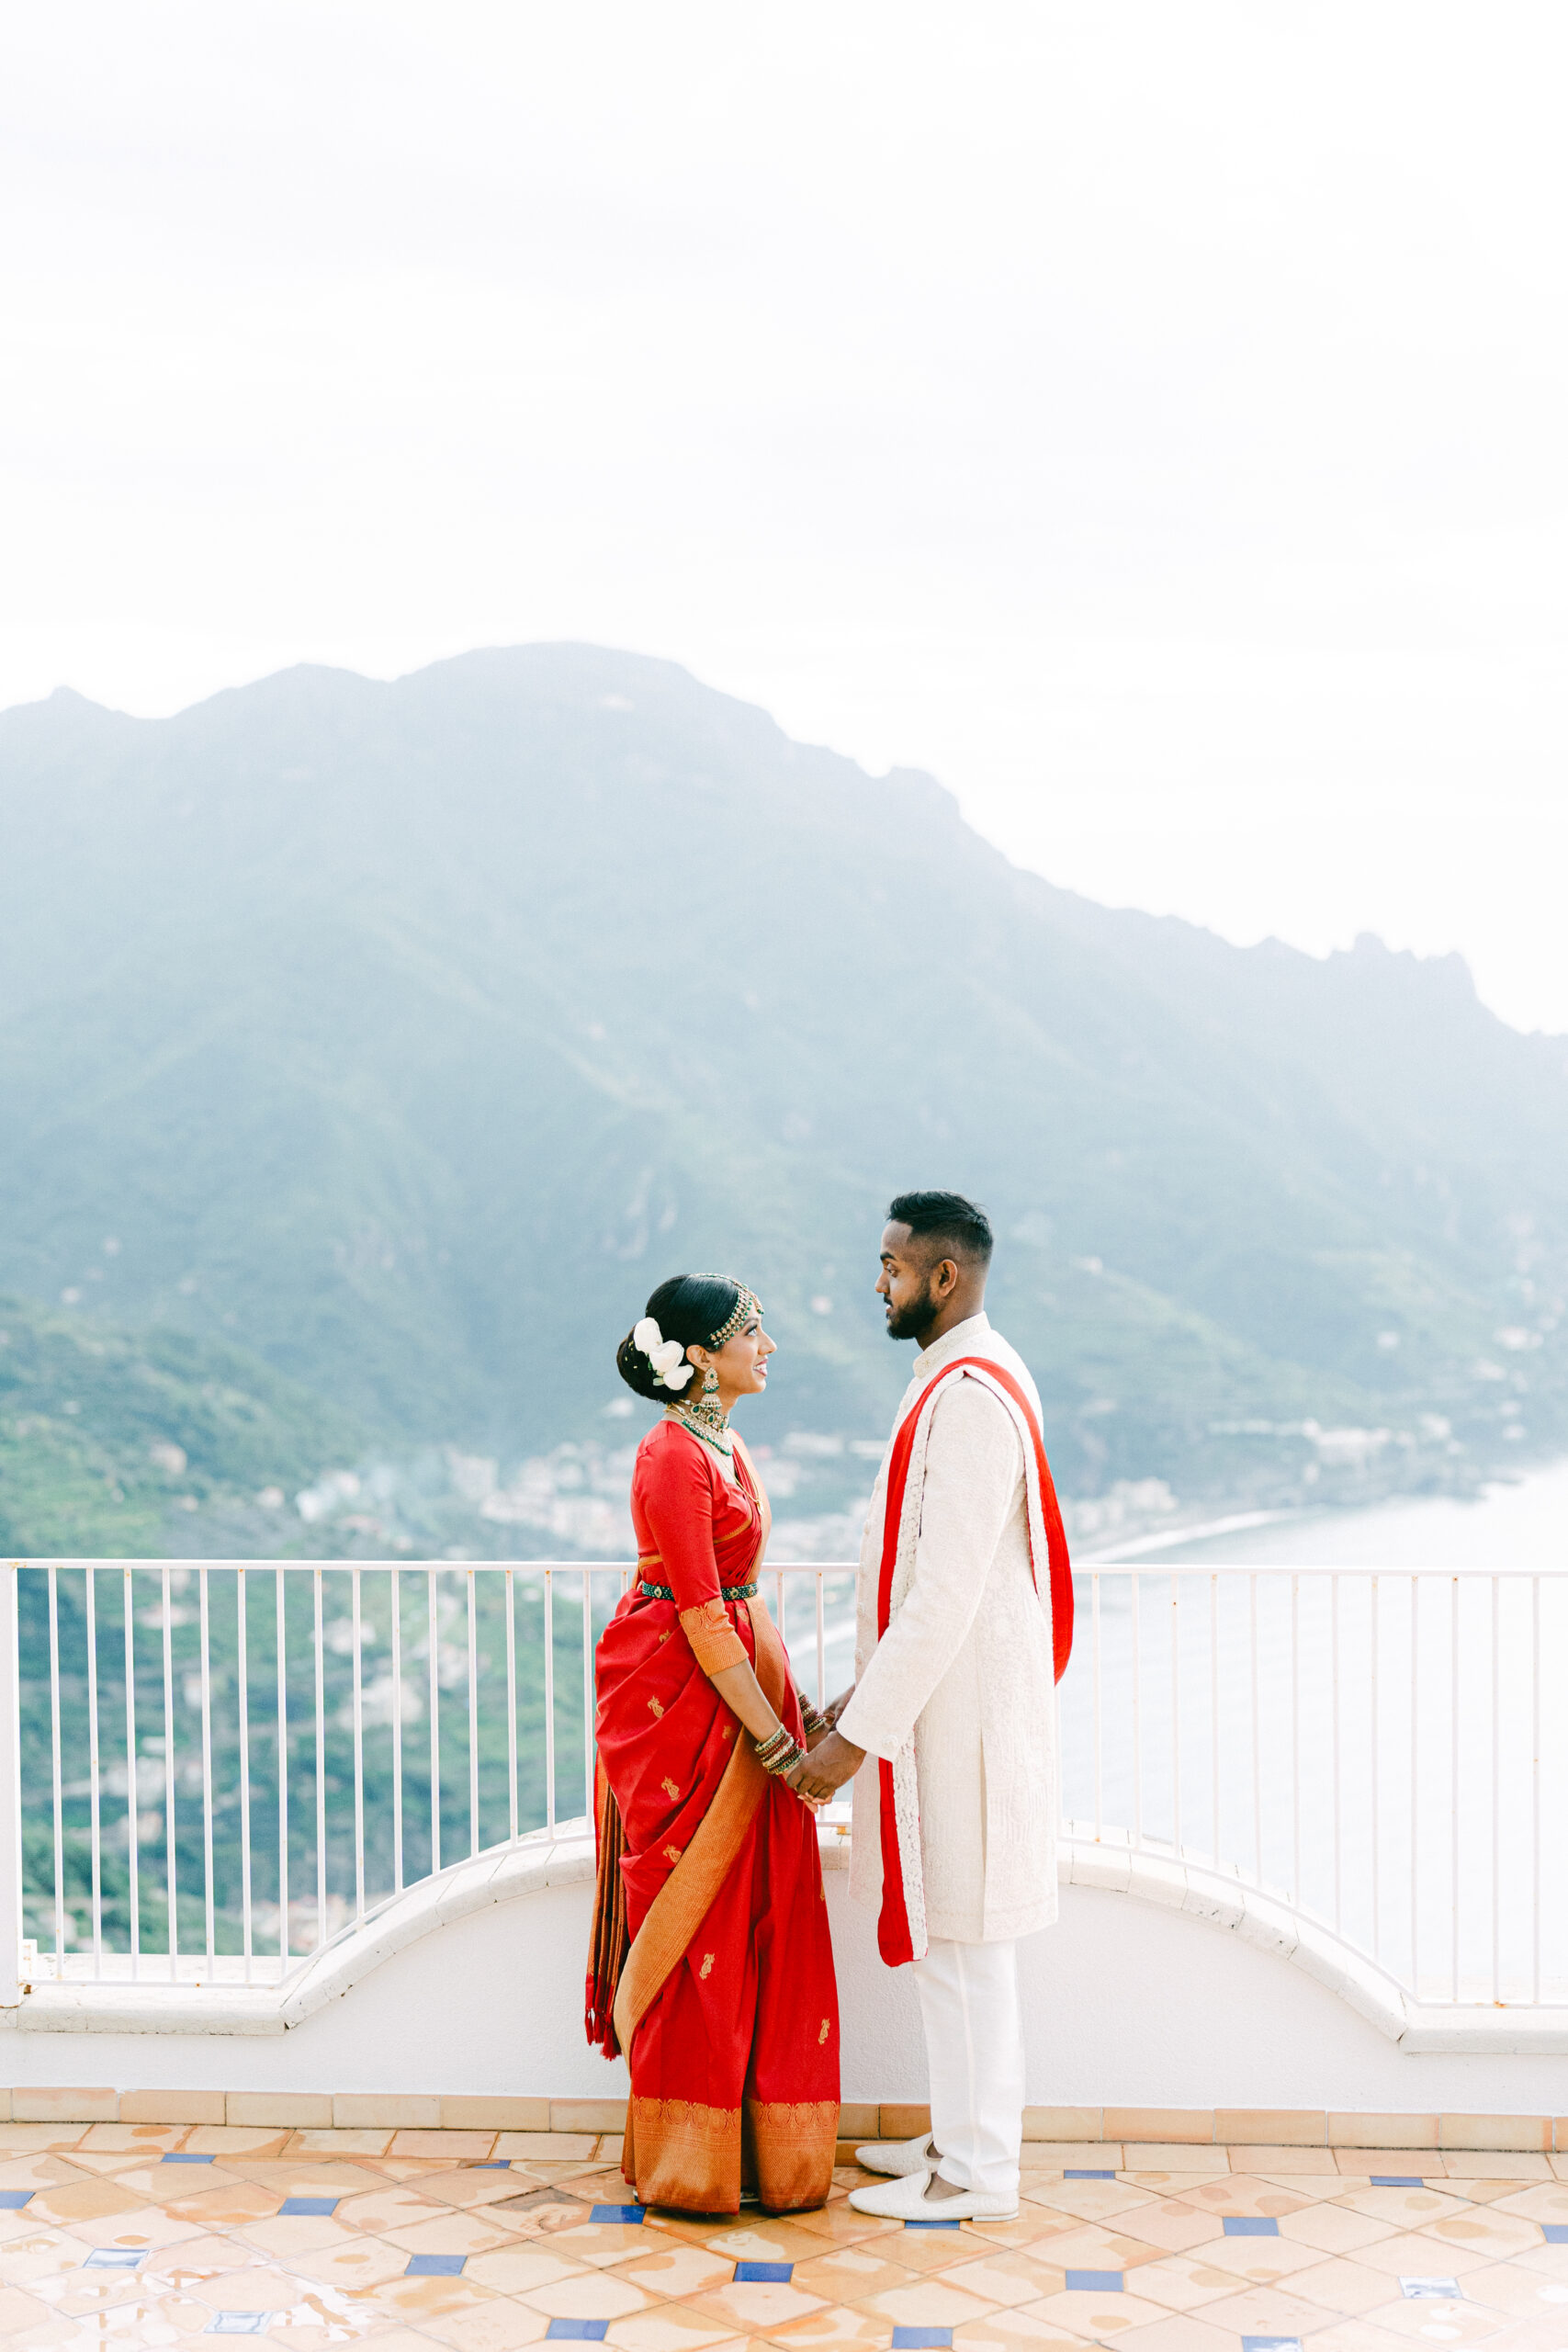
x,y
705,1421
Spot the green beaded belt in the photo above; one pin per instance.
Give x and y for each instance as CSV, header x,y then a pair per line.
x,y
726,1591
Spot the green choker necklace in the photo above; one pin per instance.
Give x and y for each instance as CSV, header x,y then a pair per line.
x,y
705,1421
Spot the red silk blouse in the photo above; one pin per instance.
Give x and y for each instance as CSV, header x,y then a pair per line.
x,y
696,1531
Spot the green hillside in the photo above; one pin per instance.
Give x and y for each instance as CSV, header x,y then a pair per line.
x,y
114,1442
404,1036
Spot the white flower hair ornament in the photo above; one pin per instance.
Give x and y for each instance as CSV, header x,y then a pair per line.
x,y
668,1357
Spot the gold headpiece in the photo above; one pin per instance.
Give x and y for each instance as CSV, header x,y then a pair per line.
x,y
748,1304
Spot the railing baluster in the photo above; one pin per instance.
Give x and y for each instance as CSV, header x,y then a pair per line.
x,y
1295,1741
1095,1685
358,1632
132,1817
1535,1791
1176,1712
395,1581
549,1701
1137,1718
1496,1804
321,1766
92,1620
1334,1654
1257,1736
1214,1709
171,1875
280,1582
208,1893
473,1725
1377,1897
433,1639
1416,1786
59,1790
241,1667
511,1708
589,1749
1453,1782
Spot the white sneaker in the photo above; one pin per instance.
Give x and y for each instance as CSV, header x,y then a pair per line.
x,y
899,2156
905,2201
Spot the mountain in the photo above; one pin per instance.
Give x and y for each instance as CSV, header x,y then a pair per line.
x,y
117,1443
404,1036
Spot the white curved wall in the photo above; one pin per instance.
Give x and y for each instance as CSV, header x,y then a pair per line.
x,y
1128,2002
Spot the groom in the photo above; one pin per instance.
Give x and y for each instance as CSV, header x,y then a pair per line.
x,y
963,1623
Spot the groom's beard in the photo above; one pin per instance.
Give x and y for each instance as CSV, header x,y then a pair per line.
x,y
909,1322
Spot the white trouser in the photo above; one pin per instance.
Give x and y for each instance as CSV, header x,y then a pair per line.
x,y
974,2052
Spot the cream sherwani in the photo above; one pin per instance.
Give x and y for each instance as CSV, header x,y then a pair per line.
x,y
967,1665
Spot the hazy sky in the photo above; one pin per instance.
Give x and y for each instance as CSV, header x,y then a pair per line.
x,y
1150,418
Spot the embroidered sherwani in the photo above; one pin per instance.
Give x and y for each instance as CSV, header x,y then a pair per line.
x,y
966,1669
726,2003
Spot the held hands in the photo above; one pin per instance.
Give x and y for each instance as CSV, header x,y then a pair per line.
x,y
833,1760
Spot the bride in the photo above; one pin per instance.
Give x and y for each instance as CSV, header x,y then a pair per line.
x,y
711,1965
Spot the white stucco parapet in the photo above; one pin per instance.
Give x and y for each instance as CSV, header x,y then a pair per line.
x,y
507,1873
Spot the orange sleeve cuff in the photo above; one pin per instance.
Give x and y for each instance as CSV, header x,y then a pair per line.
x,y
715,1642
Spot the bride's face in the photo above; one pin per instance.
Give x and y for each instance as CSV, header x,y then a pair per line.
x,y
743,1363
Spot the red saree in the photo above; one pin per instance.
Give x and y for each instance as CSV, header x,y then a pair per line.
x,y
726,2002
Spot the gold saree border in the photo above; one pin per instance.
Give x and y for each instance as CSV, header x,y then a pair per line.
x,y
793,2143
678,2152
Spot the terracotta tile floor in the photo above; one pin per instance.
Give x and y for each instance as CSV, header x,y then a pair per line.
x,y
132,2235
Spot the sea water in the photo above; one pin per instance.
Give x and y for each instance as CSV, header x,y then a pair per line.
x,y
1522,1523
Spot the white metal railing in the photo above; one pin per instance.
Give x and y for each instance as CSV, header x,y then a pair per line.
x,y
212,1770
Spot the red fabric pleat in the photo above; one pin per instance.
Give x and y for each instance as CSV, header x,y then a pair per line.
x,y
609,1939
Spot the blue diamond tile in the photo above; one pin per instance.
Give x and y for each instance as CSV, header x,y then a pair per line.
x,y
1555,2233
434,2265
1088,2176
114,2257
909,2339
1251,2225
763,2274
616,2213
178,2159
931,2225
1430,2291
495,2163
293,2206
239,2323
13,2200
576,2331
1270,2344
1397,2180
1094,2282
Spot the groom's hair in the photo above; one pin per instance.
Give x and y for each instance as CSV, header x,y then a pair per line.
x,y
954,1226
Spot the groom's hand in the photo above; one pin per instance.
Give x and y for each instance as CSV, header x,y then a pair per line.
x,y
831,1763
